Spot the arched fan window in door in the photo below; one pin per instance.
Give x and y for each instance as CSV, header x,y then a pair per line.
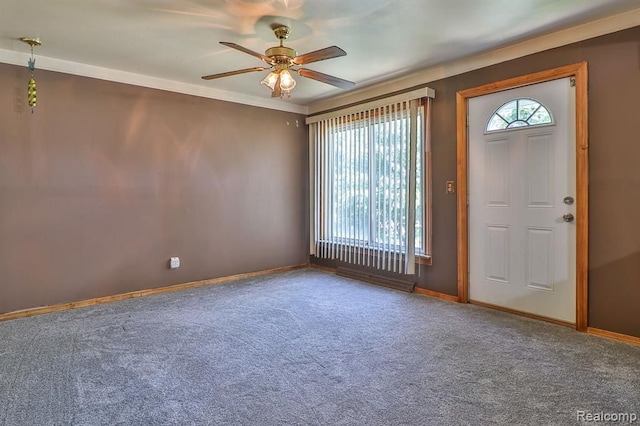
x,y
522,112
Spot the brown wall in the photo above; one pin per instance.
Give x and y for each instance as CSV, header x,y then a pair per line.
x,y
106,181
614,128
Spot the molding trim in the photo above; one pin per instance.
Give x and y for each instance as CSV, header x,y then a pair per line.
x,y
574,34
327,269
613,335
579,72
570,35
523,314
100,73
140,293
425,260
436,294
213,281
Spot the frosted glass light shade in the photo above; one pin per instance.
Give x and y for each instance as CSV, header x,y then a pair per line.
x,y
286,81
270,80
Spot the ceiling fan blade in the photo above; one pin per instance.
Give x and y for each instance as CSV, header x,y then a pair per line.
x,y
230,73
277,90
245,50
319,55
326,78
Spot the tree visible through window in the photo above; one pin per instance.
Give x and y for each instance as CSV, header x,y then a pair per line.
x,y
370,174
519,113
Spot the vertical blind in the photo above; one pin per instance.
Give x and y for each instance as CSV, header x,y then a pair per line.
x,y
364,179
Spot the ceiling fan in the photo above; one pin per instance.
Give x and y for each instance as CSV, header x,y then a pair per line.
x,y
282,59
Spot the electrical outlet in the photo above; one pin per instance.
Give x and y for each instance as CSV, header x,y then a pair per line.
x,y
174,262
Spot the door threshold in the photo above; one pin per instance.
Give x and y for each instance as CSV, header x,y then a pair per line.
x,y
524,314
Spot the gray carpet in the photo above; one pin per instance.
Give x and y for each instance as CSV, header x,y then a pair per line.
x,y
305,348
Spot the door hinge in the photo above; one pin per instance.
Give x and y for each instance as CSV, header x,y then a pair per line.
x,y
572,82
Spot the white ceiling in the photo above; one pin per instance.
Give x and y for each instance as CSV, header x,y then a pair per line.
x,y
177,41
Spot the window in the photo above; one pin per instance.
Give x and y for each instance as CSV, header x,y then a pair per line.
x,y
368,201
519,113
369,172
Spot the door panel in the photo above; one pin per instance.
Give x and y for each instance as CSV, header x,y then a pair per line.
x,y
521,251
540,176
497,253
497,173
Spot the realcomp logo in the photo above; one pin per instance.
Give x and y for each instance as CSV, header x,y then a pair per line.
x,y
585,416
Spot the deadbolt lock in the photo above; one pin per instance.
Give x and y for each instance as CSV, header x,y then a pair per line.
x,y
568,200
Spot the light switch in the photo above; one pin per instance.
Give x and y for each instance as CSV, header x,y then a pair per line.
x,y
451,187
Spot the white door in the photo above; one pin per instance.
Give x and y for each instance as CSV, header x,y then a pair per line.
x,y
521,248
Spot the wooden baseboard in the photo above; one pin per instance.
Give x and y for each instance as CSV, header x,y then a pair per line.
x,y
140,293
323,268
613,335
432,293
213,281
523,314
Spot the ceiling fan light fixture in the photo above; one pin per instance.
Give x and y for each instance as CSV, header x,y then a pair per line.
x,y
282,59
270,80
287,83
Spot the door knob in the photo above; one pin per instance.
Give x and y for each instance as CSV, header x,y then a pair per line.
x,y
568,217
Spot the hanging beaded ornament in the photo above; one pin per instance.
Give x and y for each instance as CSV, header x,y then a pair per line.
x,y
31,86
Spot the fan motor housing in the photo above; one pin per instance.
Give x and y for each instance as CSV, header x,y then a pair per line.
x,y
279,53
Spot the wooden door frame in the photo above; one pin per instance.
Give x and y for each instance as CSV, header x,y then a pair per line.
x,y
580,74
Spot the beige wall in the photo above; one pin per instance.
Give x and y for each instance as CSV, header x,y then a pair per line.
x,y
105,181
